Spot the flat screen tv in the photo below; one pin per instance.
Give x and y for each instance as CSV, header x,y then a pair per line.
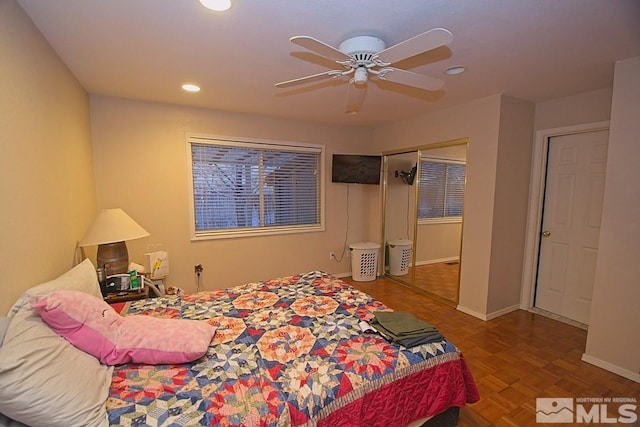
x,y
356,169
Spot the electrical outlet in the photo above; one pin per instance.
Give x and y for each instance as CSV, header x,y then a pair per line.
x,y
332,256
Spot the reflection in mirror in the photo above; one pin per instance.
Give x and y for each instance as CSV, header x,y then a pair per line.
x,y
400,196
430,228
441,185
399,215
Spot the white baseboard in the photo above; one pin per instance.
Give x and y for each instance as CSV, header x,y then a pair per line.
x,y
633,376
439,260
471,312
503,311
348,274
488,316
341,275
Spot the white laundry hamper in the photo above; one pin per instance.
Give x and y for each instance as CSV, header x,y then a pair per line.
x,y
364,261
399,256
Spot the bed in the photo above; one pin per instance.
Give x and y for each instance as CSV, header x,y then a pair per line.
x,y
287,352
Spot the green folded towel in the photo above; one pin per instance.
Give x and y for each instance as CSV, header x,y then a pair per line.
x,y
403,328
402,323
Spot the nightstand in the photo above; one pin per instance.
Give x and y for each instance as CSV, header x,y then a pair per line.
x,y
127,296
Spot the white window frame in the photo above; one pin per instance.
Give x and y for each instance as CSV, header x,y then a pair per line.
x,y
446,219
254,231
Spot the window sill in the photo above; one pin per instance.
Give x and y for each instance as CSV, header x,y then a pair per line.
x,y
450,220
240,233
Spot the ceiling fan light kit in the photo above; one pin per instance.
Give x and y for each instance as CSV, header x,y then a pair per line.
x,y
362,47
364,56
360,76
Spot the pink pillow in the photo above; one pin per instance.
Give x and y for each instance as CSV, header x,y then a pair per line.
x,y
93,326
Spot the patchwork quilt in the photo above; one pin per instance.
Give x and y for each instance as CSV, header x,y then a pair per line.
x,y
289,352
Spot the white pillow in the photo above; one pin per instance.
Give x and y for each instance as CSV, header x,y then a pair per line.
x,y
81,278
44,380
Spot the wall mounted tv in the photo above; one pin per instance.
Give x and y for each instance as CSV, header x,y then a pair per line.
x,y
356,169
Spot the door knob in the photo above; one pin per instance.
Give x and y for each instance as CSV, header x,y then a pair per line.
x,y
546,233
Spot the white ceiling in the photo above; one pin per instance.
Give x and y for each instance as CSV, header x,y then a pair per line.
x,y
145,49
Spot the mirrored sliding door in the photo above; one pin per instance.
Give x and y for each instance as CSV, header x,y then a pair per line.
x,y
423,203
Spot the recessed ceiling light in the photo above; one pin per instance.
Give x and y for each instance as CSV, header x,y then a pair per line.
x,y
191,87
458,69
217,5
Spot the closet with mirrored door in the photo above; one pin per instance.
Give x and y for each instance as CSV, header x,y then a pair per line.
x,y
422,217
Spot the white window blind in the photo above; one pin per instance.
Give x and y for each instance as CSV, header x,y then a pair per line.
x,y
441,189
254,187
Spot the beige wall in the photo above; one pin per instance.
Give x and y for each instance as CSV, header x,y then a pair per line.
x,y
613,341
47,188
578,109
140,154
510,204
438,242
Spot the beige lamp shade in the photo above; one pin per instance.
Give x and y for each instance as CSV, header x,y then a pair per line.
x,y
110,229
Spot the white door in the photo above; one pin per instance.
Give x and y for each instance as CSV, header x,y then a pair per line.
x,y
571,223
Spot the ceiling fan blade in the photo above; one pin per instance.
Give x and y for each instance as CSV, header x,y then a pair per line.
x,y
355,98
416,45
309,79
410,78
320,48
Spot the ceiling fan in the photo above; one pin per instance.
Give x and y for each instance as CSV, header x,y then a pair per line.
x,y
362,57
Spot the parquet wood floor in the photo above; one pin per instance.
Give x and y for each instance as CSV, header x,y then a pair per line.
x,y
440,279
514,359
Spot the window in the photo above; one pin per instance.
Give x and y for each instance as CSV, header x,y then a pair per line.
x,y
254,187
441,190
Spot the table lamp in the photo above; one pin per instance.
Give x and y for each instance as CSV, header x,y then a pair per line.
x,y
110,229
